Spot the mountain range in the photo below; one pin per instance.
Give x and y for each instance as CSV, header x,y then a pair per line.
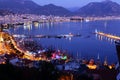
x,y
28,6
105,8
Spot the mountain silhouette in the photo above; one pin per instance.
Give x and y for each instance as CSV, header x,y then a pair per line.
x,y
28,6
105,8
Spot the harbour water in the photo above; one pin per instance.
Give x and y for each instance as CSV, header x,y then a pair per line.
x,y
88,45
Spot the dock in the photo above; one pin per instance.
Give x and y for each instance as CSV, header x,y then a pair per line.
x,y
116,38
47,36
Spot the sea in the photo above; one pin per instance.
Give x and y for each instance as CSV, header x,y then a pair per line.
x,y
88,45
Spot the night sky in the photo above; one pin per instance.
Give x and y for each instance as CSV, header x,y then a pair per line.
x,y
69,3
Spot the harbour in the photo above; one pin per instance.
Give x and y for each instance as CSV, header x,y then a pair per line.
x,y
57,40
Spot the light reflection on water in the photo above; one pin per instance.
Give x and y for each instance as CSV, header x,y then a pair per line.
x,y
87,46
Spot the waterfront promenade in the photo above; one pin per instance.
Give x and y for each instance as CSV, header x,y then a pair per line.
x,y
8,45
24,18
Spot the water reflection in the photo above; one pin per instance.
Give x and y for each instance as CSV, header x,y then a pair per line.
x,y
27,26
48,25
88,45
105,24
36,24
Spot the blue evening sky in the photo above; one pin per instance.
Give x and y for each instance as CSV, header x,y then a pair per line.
x,y
69,3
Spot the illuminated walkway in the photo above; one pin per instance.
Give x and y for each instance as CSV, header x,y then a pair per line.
x,y
8,45
108,35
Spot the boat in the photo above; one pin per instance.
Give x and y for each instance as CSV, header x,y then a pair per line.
x,y
87,20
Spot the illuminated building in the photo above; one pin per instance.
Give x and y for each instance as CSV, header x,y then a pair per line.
x,y
91,64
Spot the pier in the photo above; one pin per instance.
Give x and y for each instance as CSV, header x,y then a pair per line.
x,y
48,36
116,38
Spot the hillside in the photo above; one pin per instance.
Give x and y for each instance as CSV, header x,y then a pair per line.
x,y
105,8
28,6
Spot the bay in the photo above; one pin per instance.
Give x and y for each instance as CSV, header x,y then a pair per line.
x,y
88,45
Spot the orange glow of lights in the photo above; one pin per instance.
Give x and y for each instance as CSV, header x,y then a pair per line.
x,y
92,66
